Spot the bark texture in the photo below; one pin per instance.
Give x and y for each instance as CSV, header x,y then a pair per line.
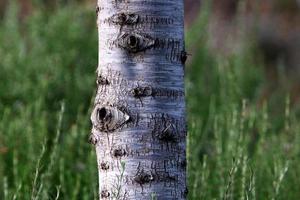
x,y
139,124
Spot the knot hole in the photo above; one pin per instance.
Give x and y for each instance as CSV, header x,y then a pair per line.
x,y
133,41
102,113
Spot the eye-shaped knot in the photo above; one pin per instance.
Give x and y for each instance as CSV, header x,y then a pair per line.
x,y
125,18
107,118
134,42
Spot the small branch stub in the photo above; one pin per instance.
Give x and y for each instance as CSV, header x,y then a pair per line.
x,y
105,194
183,57
97,10
186,192
102,80
134,42
104,166
94,138
107,118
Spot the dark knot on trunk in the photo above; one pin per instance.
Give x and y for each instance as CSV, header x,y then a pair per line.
x,y
133,42
105,194
139,92
168,134
104,166
102,80
107,118
125,19
143,177
119,152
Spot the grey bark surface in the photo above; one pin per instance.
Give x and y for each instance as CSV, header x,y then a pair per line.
x,y
139,123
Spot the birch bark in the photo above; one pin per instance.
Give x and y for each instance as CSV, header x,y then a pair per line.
x,y
139,123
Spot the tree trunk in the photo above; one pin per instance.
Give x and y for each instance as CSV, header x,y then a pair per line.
x,y
139,124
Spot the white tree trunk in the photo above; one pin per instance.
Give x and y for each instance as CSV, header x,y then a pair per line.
x,y
139,124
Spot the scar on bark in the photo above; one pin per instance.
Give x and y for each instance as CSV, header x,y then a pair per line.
x,y
168,134
104,166
143,177
125,19
102,80
139,92
94,137
105,194
119,152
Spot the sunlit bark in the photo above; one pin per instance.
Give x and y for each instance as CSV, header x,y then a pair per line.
x,y
139,124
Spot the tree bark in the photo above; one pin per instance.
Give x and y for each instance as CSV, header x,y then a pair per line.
x,y
139,123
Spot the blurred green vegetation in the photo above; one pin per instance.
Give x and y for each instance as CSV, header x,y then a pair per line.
x,y
236,150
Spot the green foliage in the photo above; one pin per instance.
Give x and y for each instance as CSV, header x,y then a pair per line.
x,y
47,74
52,59
236,148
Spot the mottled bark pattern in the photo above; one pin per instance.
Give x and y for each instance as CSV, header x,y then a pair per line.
x,y
139,124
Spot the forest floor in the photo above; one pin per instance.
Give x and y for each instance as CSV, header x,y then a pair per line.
x,y
236,149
